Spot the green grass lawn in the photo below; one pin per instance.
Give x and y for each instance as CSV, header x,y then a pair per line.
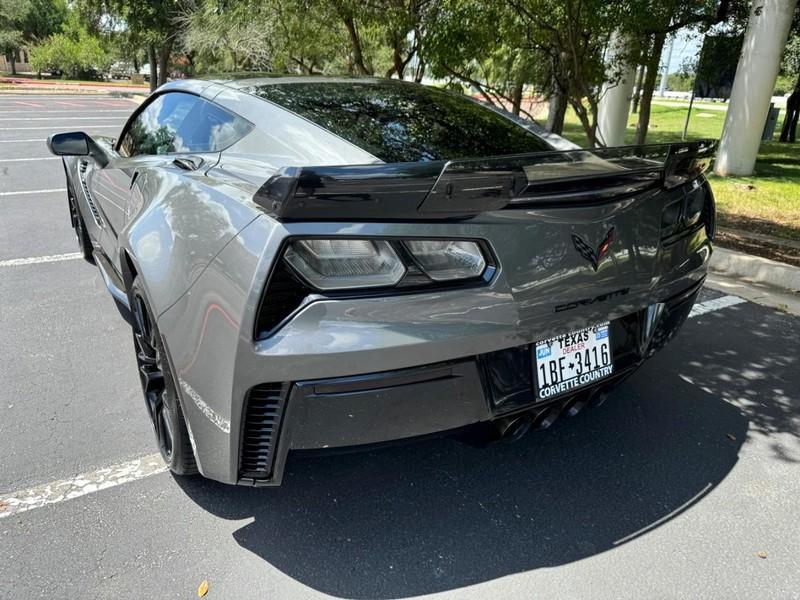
x,y
768,202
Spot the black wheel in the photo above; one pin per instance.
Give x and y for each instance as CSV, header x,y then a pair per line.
x,y
158,385
84,243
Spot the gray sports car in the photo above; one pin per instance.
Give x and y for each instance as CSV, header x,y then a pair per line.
x,y
314,263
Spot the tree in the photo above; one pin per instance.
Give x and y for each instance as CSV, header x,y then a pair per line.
x,y
483,47
12,15
42,19
151,24
76,52
571,35
648,23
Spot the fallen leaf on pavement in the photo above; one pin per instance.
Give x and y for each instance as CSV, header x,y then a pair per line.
x,y
203,589
761,554
3,506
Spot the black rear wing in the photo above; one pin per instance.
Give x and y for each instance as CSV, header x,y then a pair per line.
x,y
463,188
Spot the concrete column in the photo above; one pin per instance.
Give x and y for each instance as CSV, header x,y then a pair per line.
x,y
662,87
615,99
764,41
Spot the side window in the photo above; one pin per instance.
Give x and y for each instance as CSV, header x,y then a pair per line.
x,y
177,122
156,129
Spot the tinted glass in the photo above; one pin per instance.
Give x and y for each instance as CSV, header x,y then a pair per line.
x,y
402,122
177,122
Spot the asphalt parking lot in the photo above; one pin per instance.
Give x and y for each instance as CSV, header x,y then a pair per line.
x,y
685,483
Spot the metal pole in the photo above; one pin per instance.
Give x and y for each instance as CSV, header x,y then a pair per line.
x,y
688,114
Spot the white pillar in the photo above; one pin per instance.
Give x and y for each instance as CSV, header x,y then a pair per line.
x,y
764,41
615,99
662,87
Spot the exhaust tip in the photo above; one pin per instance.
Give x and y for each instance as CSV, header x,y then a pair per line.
x,y
514,428
548,418
576,407
598,399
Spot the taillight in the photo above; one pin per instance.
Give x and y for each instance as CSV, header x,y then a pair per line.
x,y
694,206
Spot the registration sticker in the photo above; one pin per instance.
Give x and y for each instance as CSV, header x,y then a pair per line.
x,y
571,361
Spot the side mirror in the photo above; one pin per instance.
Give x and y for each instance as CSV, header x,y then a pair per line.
x,y
74,143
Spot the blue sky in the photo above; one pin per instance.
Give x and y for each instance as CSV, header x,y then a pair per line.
x,y
687,44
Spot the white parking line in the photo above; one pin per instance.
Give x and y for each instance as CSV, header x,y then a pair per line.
x,y
23,192
17,141
715,304
5,160
101,479
81,485
35,260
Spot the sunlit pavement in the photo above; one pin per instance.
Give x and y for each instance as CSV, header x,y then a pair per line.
x,y
671,489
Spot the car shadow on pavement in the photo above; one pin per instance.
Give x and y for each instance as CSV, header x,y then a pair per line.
x,y
439,515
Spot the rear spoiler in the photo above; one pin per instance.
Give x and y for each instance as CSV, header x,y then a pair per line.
x,y
463,188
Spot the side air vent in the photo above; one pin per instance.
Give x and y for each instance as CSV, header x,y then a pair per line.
x,y
89,199
282,295
262,414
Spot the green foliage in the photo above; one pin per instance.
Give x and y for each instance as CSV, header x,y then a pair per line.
x,y
12,15
680,82
75,52
43,18
790,65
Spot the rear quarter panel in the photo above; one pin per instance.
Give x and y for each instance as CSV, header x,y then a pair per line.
x,y
179,223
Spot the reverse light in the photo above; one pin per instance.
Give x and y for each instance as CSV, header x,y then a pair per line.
x,y
447,260
337,264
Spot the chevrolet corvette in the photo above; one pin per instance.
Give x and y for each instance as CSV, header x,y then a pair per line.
x,y
312,263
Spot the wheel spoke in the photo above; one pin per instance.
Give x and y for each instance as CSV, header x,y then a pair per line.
x,y
152,373
145,353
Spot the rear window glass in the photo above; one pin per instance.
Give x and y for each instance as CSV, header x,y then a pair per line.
x,y
403,122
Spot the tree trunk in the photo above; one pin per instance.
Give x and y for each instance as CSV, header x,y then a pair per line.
x,y
190,59
556,112
516,96
151,57
419,73
355,43
163,61
13,64
648,87
637,89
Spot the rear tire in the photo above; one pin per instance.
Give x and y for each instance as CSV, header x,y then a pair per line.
x,y
158,386
84,243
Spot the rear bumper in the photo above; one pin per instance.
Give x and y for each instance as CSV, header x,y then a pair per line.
x,y
435,398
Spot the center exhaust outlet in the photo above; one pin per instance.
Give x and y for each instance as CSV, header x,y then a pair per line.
x,y
511,429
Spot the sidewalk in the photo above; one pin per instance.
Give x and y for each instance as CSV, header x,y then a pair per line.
x,y
757,279
21,85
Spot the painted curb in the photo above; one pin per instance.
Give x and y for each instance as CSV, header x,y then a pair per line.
x,y
755,269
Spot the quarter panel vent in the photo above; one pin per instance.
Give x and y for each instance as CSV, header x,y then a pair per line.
x,y
263,411
89,199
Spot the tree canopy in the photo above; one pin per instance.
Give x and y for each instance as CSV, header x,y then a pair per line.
x,y
515,54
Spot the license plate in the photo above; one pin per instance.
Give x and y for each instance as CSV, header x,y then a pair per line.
x,y
571,361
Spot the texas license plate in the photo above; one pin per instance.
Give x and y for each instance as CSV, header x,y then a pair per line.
x,y
567,362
